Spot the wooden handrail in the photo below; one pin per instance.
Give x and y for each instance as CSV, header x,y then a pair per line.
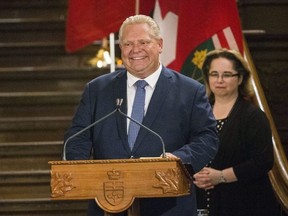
x,y
279,174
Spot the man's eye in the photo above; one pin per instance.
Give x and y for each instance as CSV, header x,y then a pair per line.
x,y
145,42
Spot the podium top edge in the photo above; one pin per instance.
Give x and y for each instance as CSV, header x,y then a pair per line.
x,y
130,160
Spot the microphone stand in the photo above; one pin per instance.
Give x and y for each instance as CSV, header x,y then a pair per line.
x,y
84,129
141,125
119,102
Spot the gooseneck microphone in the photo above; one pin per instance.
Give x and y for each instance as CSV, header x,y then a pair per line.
x,y
86,128
119,102
118,105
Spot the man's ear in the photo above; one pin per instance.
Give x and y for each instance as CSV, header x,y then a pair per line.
x,y
160,44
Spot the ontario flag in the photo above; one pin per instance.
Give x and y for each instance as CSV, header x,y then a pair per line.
x,y
191,28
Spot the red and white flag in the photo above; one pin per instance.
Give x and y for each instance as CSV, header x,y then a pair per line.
x,y
191,28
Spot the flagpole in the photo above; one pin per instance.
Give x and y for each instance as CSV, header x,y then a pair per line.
x,y
137,6
112,51
279,174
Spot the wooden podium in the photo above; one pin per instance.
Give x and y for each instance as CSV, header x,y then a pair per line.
x,y
116,184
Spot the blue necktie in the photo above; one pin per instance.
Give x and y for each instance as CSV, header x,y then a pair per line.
x,y
137,112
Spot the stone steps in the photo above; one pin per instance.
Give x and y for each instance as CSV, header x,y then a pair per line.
x,y
24,184
22,129
37,104
46,78
29,156
43,207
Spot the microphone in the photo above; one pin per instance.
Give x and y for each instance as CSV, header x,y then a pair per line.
x,y
119,102
118,105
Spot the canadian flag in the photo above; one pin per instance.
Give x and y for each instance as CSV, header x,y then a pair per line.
x,y
191,28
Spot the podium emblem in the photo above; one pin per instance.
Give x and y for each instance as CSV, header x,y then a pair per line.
x,y
114,192
114,189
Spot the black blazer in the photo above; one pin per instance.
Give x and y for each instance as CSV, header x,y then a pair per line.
x,y
246,145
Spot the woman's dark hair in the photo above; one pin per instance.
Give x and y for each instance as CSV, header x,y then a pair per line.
x,y
239,65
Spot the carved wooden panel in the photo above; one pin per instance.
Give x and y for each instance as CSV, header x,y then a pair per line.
x,y
114,184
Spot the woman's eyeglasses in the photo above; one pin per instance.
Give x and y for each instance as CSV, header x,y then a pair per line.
x,y
224,76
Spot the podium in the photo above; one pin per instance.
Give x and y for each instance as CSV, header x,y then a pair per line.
x,y
117,184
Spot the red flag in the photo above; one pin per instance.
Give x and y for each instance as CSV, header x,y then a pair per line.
x,y
196,26
90,20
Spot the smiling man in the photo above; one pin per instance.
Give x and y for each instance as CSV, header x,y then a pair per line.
x,y
169,103
140,47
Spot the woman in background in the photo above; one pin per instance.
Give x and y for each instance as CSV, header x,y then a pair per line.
x,y
236,182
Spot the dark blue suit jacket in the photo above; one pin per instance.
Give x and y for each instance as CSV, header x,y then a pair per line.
x,y
179,112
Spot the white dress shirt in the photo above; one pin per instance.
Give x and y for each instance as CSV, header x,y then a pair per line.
x,y
131,90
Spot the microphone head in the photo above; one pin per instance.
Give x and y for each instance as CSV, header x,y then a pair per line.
x,y
119,102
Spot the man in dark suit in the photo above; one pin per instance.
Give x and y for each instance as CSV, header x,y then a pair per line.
x,y
176,107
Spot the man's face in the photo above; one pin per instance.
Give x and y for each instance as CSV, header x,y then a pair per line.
x,y
139,50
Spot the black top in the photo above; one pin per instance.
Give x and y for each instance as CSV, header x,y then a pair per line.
x,y
246,145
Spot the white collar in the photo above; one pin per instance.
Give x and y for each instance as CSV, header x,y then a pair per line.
x,y
151,80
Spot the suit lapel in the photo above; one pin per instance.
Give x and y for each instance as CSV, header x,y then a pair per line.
x,y
120,91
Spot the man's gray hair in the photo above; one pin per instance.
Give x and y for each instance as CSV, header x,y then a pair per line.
x,y
139,19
